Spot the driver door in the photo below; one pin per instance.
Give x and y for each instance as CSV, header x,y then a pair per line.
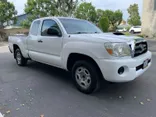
x,y
49,45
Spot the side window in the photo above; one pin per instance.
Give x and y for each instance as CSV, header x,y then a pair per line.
x,y
35,27
50,24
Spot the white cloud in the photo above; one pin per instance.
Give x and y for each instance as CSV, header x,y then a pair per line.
x,y
102,4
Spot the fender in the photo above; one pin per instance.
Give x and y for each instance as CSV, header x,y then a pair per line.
x,y
79,48
21,43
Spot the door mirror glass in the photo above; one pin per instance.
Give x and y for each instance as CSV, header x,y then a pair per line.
x,y
53,32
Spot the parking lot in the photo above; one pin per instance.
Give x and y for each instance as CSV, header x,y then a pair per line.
x,y
41,89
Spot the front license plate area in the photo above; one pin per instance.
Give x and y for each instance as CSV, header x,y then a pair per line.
x,y
145,64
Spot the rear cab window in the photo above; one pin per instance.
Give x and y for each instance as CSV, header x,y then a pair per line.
x,y
35,27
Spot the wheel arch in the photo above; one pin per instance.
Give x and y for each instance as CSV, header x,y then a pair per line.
x,y
15,47
73,57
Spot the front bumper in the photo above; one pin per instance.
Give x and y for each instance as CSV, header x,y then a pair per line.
x,y
109,68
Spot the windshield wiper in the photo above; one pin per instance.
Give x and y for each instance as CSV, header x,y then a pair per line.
x,y
85,32
96,32
80,33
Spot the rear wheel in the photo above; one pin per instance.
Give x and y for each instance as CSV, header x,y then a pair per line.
x,y
86,77
20,60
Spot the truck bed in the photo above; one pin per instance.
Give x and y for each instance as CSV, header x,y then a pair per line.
x,y
17,40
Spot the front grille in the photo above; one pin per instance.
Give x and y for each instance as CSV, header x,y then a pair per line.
x,y
140,48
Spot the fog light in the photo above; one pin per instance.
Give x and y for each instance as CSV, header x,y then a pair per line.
x,y
121,70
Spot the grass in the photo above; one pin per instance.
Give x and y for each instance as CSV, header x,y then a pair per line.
x,y
127,33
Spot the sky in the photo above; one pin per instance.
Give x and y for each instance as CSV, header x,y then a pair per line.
x,y
99,4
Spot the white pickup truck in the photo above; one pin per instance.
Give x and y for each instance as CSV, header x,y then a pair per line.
x,y
83,49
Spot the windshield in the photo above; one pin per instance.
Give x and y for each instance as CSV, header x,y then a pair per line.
x,y
137,26
76,26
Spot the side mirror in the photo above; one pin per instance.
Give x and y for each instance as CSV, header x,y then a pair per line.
x,y
53,32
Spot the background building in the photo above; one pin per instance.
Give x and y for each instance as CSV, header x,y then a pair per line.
x,y
149,18
20,18
11,28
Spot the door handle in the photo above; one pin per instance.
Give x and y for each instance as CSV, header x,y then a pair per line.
x,y
40,41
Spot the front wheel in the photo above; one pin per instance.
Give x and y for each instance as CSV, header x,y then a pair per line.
x,y
86,77
132,32
20,60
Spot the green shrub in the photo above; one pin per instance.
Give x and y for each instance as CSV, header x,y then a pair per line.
x,y
128,28
127,33
104,24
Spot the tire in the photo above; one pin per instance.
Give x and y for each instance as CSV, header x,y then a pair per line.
x,y
93,82
20,60
132,32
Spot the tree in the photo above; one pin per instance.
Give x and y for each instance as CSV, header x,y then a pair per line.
x,y
7,16
115,17
86,11
134,18
7,13
38,8
43,8
104,24
99,13
66,7
26,23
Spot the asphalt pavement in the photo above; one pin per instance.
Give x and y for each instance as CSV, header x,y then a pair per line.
x,y
41,89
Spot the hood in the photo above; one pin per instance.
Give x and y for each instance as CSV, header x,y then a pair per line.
x,y
106,37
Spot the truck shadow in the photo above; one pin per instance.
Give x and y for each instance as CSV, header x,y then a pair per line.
x,y
108,90
54,72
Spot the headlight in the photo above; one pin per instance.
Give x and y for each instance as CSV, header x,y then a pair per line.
x,y
118,49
